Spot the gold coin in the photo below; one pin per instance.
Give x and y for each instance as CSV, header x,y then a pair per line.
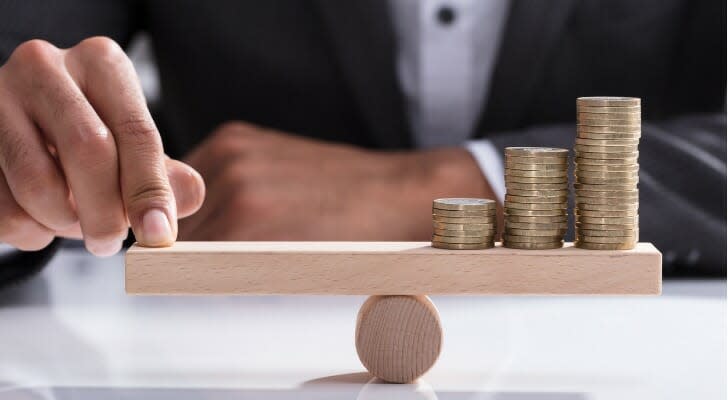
x,y
609,123
459,239
607,142
537,186
604,149
607,168
461,203
632,130
560,160
537,174
463,220
510,206
606,227
538,193
462,246
604,246
464,213
534,232
464,227
607,175
535,213
530,239
608,239
608,205
533,246
538,219
536,151
608,220
616,116
600,181
613,197
535,200
608,101
448,233
605,161
606,110
596,232
523,179
606,213
604,188
584,134
536,226
536,167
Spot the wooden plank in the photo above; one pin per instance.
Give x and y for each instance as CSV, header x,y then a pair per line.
x,y
380,268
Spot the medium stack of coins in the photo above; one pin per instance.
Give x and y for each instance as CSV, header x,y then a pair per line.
x,y
536,197
463,224
606,171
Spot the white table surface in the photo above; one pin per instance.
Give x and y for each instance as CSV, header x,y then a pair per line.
x,y
72,333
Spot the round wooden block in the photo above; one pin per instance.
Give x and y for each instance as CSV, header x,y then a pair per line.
x,y
398,338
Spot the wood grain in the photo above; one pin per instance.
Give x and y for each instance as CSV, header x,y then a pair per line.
x,y
388,268
398,338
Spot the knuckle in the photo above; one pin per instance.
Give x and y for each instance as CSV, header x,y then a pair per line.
x,y
102,49
34,181
153,193
35,52
90,143
139,128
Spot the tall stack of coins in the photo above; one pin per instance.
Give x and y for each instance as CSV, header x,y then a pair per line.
x,y
536,197
606,171
463,224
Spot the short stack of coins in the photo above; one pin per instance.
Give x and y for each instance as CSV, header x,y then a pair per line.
x,y
606,172
463,224
536,197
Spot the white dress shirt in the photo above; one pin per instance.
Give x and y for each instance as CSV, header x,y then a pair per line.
x,y
446,55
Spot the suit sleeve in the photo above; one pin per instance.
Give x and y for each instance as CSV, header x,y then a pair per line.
x,y
682,186
64,22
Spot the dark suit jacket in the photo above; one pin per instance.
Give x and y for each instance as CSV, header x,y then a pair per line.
x,y
326,69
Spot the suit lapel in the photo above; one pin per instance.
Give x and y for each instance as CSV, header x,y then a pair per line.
x,y
363,41
530,33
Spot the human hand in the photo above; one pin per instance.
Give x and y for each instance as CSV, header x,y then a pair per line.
x,y
80,155
267,185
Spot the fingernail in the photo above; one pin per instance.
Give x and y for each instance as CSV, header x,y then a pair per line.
x,y
104,248
156,230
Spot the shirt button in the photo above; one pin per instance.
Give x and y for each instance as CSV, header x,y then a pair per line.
x,y
446,15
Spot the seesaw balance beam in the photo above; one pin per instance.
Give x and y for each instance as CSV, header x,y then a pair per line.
x,y
388,268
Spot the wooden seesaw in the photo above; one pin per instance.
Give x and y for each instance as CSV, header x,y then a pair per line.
x,y
398,332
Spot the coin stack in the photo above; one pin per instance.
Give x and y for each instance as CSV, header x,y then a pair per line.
x,y
463,224
606,171
536,197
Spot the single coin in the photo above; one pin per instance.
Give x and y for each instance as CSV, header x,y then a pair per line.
x,y
585,134
635,129
607,142
607,207
462,203
607,168
607,175
538,193
615,233
607,221
534,232
536,167
535,226
463,220
542,219
522,179
604,188
610,123
606,110
530,239
606,213
604,246
628,194
448,233
464,227
537,174
535,213
625,157
605,161
461,246
510,206
533,246
608,101
607,239
599,181
464,213
616,116
536,151
459,239
535,200
537,186
606,227
604,149
555,160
